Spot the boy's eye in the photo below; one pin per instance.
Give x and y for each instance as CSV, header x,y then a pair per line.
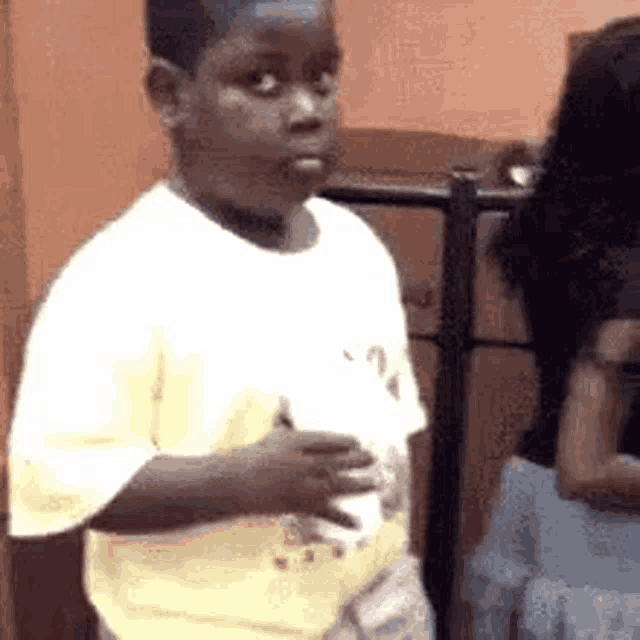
x,y
323,76
263,82
322,72
323,80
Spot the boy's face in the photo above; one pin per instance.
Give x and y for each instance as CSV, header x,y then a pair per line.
x,y
261,119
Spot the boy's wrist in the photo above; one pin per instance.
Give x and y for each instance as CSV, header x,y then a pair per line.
x,y
231,474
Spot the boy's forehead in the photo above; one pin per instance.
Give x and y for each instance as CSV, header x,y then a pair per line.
x,y
252,13
295,10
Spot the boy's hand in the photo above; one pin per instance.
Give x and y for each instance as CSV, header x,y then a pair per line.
x,y
298,472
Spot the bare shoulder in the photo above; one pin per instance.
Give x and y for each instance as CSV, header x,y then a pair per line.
x,y
617,340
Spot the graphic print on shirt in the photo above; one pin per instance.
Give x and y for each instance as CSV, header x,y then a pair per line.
x,y
395,468
385,376
392,385
378,355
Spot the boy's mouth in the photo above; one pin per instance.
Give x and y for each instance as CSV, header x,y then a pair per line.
x,y
308,164
305,168
308,167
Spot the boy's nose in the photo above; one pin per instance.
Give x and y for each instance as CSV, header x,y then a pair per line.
x,y
305,112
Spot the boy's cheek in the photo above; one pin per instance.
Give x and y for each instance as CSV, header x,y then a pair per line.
x,y
232,98
245,132
237,111
332,112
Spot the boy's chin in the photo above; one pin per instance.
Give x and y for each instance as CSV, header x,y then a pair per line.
x,y
299,193
291,189
281,201
275,191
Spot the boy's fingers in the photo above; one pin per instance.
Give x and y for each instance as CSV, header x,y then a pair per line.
x,y
346,485
353,460
318,443
338,517
323,480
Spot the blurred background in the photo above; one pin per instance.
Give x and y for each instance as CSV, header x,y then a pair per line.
x,y
425,85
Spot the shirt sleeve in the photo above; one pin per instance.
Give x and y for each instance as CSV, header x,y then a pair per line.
x,y
74,442
502,565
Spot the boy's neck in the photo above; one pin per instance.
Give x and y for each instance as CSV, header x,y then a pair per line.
x,y
289,228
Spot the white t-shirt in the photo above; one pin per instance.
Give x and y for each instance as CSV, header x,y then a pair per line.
x,y
573,572
166,333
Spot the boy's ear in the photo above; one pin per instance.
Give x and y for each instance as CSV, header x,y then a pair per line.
x,y
168,88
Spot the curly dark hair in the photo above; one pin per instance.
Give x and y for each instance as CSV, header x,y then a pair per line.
x,y
566,248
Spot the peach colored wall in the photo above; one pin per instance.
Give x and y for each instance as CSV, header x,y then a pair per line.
x,y
12,290
474,68
89,140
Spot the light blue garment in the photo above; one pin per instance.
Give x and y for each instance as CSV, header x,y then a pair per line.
x,y
572,572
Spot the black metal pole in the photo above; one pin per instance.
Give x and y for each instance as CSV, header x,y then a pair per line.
x,y
450,416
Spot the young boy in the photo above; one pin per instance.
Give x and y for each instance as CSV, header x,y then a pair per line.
x,y
179,361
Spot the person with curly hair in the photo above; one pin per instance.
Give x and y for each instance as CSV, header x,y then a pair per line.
x,y
563,547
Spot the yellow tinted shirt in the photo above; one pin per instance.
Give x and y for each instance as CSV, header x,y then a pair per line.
x,y
165,333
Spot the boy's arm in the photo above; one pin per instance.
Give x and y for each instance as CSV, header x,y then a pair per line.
x,y
170,492
276,475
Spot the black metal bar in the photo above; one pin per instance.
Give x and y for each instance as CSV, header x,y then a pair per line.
x,y
472,343
486,199
449,424
388,194
500,199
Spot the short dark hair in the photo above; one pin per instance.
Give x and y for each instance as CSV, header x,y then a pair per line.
x,y
569,242
178,31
